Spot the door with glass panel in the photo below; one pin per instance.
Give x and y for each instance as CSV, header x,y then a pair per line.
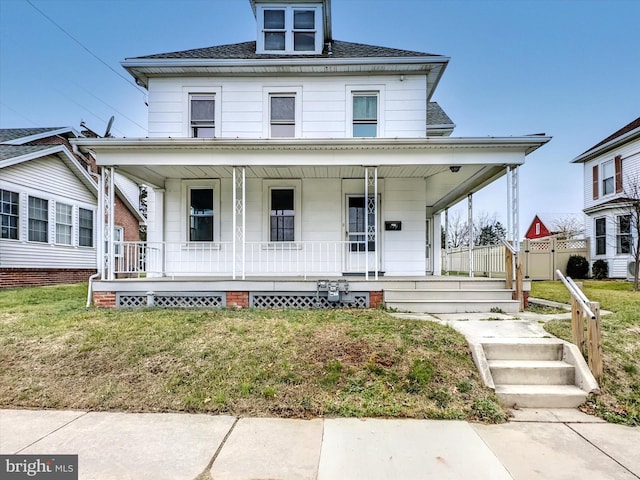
x,y
361,247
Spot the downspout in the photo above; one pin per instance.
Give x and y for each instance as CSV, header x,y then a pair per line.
x,y
98,178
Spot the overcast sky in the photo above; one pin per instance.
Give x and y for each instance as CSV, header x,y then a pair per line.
x,y
567,68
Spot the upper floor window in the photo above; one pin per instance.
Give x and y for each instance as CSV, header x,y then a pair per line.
x,y
9,214
623,237
282,114
64,223
607,177
601,236
85,227
202,115
38,219
290,29
365,115
201,215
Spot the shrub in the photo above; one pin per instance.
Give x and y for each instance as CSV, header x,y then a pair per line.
x,y
600,269
577,267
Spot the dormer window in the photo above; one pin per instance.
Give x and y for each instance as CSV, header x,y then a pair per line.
x,y
292,29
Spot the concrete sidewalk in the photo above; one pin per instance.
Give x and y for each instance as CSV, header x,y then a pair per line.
x,y
536,444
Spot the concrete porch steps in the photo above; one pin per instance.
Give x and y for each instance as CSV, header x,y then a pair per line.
x,y
533,374
452,296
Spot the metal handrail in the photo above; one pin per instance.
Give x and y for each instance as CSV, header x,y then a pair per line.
x,y
508,245
577,294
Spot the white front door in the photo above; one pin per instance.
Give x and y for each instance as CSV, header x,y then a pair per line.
x,y
361,254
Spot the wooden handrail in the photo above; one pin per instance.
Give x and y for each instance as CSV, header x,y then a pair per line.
x,y
581,306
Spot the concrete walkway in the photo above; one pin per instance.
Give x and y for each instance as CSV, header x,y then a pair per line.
x,y
536,444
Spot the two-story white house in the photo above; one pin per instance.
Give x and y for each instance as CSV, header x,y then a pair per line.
x,y
611,170
295,157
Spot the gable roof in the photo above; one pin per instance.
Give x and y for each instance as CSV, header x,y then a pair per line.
x,y
337,58
629,132
247,51
20,136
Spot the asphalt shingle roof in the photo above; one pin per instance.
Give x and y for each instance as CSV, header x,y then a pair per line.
x,y
626,129
437,116
13,151
247,50
9,134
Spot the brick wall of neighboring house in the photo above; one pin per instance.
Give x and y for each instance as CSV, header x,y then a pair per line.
x,y
127,220
33,277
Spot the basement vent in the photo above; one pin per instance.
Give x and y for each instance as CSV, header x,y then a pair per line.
x,y
307,300
171,300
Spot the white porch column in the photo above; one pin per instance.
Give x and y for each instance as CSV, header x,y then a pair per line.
x,y
515,208
156,264
100,221
470,226
371,231
446,241
239,222
111,222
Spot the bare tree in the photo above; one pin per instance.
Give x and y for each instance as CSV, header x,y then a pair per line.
x,y
631,207
487,230
567,226
458,231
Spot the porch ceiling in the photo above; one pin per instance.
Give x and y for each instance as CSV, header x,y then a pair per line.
x,y
443,187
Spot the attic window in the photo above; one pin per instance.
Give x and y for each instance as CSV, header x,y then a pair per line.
x,y
290,29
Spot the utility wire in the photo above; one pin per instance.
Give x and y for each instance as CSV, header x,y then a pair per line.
x,y
85,48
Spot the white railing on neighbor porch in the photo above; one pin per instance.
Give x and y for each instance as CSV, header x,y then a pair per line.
x,y
257,258
488,261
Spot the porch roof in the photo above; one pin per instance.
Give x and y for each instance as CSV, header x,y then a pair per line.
x,y
481,160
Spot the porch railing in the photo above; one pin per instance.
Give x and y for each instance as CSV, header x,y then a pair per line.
x,y
582,308
258,258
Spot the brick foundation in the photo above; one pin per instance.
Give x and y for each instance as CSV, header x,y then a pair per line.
x,y
237,299
37,277
104,299
376,299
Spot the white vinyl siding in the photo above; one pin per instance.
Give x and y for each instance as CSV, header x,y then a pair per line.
x,y
34,179
324,111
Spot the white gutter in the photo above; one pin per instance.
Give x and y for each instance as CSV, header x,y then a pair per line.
x,y
102,144
278,62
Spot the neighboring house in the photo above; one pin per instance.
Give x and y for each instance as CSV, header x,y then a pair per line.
x,y
561,225
611,169
48,209
291,158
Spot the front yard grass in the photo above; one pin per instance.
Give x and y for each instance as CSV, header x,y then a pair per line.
x,y
619,400
56,354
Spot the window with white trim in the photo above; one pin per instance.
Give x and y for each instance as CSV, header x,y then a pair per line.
x,y
85,227
294,29
64,223
282,215
202,115
601,236
365,114
9,208
201,214
608,178
38,219
282,115
623,235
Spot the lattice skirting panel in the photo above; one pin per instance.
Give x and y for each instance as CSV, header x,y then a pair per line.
x,y
172,300
306,300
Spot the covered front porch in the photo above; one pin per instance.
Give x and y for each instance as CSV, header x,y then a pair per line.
x,y
365,210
